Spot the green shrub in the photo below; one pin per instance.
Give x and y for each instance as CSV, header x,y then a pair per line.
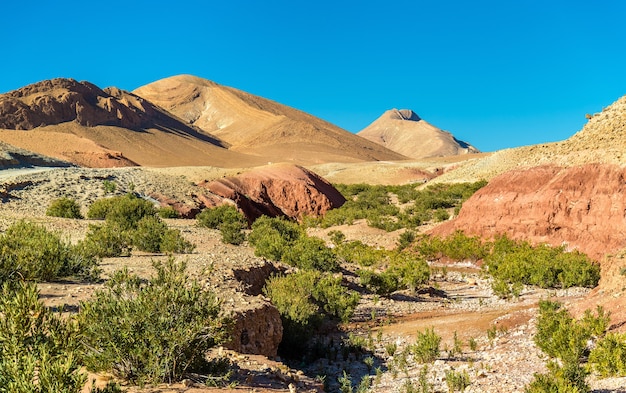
x,y
337,237
357,252
232,233
214,217
304,299
310,253
174,242
457,380
405,239
151,332
413,271
426,347
383,283
560,379
149,234
65,208
153,235
562,337
441,215
105,241
271,237
123,211
608,358
228,220
543,266
458,247
31,252
167,212
38,349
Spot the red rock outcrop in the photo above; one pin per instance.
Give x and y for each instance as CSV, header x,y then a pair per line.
x,y
278,191
583,207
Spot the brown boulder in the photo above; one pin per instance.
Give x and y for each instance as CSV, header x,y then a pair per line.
x,y
278,191
257,329
583,207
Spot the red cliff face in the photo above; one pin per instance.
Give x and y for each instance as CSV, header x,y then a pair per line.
x,y
281,190
583,207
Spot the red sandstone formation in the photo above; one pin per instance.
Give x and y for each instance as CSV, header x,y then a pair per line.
x,y
583,207
278,191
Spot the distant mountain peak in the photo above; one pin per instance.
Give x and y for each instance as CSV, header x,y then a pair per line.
x,y
403,114
404,132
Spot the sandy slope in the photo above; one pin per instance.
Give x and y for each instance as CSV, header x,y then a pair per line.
x,y
403,131
257,126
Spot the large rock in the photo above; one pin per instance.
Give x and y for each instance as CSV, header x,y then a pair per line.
x,y
278,191
583,207
257,329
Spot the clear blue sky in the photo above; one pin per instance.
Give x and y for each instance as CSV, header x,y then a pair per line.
x,y
494,73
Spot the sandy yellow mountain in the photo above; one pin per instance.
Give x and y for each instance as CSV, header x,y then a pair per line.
x,y
81,123
258,126
404,132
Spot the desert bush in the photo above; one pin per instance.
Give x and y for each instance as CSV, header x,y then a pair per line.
x,y
337,237
310,253
405,239
30,252
106,241
542,265
560,379
441,215
38,349
123,211
457,246
404,271
214,217
357,252
167,212
608,358
272,236
151,332
562,337
305,299
457,380
381,283
153,235
232,233
426,347
65,208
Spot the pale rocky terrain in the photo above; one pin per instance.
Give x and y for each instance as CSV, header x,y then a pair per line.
x,y
462,302
403,131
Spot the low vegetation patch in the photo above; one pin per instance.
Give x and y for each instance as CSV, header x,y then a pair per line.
x,y
374,204
130,222
33,253
564,340
64,208
36,345
162,328
306,299
230,222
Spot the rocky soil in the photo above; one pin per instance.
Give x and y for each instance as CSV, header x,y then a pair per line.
x,y
458,300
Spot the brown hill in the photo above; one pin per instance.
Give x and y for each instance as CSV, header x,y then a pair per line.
x,y
570,193
404,132
81,123
260,127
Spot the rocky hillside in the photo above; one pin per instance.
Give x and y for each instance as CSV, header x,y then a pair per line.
x,y
601,140
257,126
568,193
403,131
81,123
